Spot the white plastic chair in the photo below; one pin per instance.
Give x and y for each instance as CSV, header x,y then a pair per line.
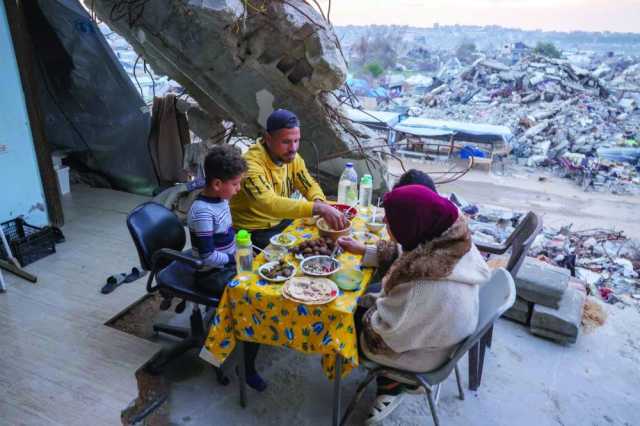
x,y
496,296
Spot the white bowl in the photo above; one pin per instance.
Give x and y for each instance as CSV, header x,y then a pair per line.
x,y
304,265
290,240
375,227
279,278
275,253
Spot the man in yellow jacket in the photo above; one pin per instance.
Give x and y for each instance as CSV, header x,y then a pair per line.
x,y
275,172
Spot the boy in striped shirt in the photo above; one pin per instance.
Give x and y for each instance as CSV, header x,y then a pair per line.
x,y
213,238
209,219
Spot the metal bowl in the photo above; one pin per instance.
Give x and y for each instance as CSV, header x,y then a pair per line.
x,y
306,266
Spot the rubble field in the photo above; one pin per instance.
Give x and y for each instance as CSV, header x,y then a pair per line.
x,y
580,122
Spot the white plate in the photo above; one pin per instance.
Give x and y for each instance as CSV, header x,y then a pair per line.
x,y
278,279
312,259
296,280
275,242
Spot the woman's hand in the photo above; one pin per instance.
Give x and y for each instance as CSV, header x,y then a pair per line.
x,y
351,245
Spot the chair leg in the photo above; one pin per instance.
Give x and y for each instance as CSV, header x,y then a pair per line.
x,y
474,359
356,398
459,382
432,406
488,337
437,388
483,348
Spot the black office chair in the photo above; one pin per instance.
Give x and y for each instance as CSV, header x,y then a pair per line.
x,y
159,238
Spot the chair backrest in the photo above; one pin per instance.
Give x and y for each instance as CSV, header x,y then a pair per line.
x,y
523,236
496,296
153,227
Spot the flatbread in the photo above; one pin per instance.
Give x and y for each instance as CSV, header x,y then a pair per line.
x,y
311,291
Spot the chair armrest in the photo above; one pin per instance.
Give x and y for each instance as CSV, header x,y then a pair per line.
x,y
491,248
170,254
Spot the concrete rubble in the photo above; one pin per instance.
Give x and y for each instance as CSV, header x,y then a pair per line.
x,y
563,267
561,324
581,122
541,283
240,62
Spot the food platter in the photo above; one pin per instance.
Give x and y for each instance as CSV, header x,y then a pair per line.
x,y
315,247
310,290
283,240
277,271
320,266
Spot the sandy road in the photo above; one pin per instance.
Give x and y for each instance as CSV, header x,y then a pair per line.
x,y
559,201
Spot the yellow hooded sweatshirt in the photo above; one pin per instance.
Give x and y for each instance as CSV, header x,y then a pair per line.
x,y
263,202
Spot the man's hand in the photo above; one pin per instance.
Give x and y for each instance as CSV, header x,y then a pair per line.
x,y
334,218
351,245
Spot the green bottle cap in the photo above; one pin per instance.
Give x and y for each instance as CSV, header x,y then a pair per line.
x,y
243,238
366,179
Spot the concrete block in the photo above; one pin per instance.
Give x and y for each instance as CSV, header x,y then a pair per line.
x,y
562,324
541,283
519,312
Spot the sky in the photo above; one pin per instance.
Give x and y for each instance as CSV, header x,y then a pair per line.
x,y
548,15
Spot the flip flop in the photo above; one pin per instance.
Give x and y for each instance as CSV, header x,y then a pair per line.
x,y
136,273
382,407
112,283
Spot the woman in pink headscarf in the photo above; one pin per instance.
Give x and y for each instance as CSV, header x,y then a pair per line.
x,y
429,298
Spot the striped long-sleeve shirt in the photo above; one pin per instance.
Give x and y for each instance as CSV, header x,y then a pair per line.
x,y
212,237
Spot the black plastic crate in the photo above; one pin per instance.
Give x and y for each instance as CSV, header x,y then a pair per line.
x,y
28,243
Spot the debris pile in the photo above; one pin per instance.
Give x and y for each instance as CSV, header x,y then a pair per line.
x,y
606,260
563,268
582,123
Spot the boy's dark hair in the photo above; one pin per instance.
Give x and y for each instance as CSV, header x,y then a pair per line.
x,y
416,177
223,162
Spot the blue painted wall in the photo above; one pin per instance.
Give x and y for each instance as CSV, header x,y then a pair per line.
x,y
21,191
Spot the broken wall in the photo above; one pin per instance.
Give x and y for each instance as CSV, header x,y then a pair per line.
x,y
241,60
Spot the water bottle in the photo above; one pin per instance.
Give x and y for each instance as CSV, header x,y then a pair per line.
x,y
244,251
366,190
348,186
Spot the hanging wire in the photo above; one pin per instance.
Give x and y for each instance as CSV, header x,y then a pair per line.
x,y
135,77
153,80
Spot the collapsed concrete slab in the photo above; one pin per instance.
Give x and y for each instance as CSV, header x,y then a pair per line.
x,y
520,311
541,283
562,324
240,61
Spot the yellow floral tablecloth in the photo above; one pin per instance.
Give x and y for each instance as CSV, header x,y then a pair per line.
x,y
253,309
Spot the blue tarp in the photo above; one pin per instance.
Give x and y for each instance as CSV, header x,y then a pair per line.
x,y
444,129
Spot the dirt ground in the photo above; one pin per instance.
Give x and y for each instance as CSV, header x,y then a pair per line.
x,y
560,201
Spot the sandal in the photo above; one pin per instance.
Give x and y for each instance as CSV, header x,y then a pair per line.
x,y
113,282
135,274
382,407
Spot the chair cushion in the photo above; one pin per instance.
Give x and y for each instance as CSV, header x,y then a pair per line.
x,y
178,280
